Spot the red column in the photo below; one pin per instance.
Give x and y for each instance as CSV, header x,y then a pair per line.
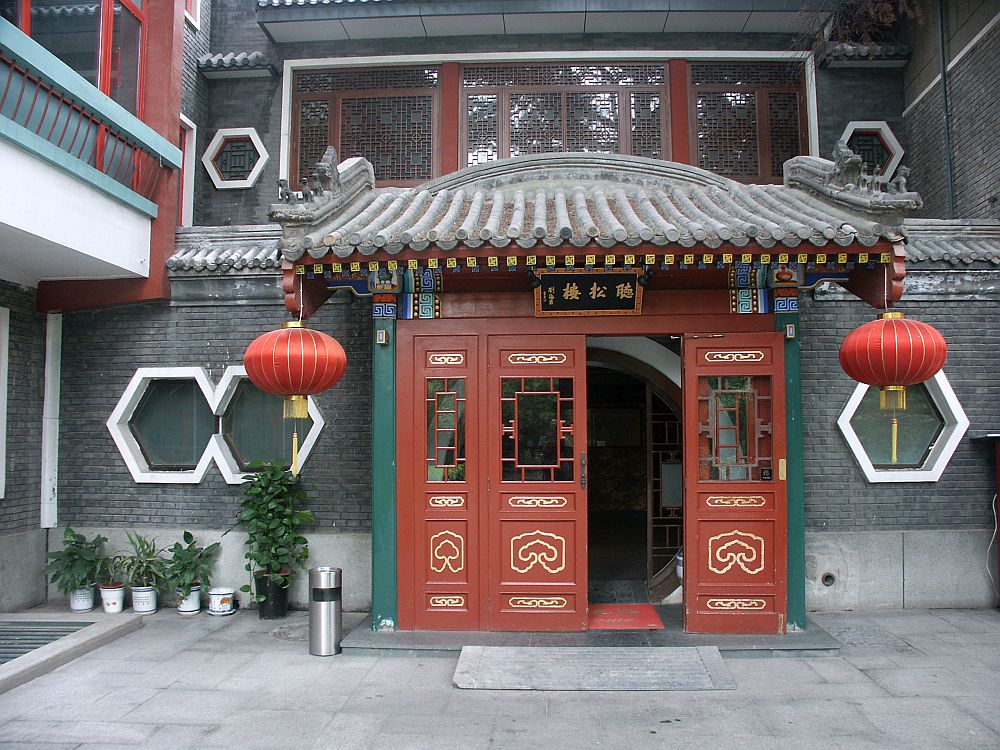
x,y
449,89
680,116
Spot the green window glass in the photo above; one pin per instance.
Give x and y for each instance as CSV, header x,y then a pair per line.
x,y
173,425
920,425
255,429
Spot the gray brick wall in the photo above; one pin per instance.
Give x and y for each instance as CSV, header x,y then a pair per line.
x,y
972,88
103,348
19,508
838,497
846,94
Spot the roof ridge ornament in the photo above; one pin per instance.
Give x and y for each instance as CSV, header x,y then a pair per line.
x,y
846,181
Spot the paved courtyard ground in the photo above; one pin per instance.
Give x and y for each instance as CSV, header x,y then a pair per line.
x,y
904,679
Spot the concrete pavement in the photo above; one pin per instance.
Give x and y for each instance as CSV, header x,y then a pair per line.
x,y
903,679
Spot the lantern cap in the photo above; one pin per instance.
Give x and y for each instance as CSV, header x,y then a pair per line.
x,y
293,324
892,315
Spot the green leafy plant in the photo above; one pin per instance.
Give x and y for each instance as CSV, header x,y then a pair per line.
x,y
144,566
109,571
269,512
190,564
78,564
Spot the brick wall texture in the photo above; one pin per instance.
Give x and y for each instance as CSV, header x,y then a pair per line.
x,y
846,94
972,85
838,497
102,350
194,90
19,508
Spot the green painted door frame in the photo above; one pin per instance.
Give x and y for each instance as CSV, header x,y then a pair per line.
x,y
788,323
384,605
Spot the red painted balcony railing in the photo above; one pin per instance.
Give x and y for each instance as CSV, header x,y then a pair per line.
x,y
33,104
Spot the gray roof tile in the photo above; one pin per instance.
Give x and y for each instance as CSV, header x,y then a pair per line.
x,y
574,200
941,242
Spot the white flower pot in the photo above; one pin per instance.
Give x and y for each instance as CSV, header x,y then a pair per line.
x,y
221,601
143,599
113,599
81,600
190,604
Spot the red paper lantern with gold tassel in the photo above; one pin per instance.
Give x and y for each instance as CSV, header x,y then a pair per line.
x,y
295,362
892,353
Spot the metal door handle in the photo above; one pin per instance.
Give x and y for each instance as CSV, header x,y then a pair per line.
x,y
583,470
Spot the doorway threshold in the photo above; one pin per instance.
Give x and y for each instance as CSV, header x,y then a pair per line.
x,y
814,641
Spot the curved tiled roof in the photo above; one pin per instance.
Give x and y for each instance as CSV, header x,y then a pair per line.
x,y
233,60
953,242
857,52
573,200
226,249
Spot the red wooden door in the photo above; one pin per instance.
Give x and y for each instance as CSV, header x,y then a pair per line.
x,y
735,531
537,487
439,466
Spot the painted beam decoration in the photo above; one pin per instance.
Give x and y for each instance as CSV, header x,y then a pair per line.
x,y
561,293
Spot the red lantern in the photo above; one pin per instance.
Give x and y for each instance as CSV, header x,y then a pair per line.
x,y
295,362
893,353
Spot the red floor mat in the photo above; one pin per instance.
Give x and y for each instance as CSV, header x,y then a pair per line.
x,y
623,617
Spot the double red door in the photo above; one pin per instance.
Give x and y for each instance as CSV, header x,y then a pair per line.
x,y
492,494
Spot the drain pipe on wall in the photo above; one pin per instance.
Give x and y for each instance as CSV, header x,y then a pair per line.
x,y
948,166
50,421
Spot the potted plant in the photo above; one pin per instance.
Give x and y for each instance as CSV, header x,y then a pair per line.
x,y
111,586
275,548
145,570
188,569
75,567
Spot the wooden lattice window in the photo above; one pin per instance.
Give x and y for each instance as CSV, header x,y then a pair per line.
x,y
388,116
749,118
613,109
446,430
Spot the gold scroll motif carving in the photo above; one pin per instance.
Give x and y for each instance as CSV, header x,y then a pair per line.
x,y
441,602
538,548
447,552
446,501
731,357
537,602
536,359
447,359
736,501
736,604
533,501
736,547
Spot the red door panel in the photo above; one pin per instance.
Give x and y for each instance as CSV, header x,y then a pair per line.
x,y
537,523
439,542
735,501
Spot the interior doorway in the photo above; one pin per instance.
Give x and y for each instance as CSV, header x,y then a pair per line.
x,y
635,515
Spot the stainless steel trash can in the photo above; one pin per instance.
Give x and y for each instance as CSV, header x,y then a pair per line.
x,y
326,611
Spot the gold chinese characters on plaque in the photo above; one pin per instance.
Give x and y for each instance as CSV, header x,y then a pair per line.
x,y
564,292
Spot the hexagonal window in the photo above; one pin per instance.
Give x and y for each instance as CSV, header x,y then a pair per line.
x,y
172,424
919,427
255,429
929,431
235,158
876,144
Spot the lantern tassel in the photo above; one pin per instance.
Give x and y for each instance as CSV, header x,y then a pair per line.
x,y
295,454
895,440
296,407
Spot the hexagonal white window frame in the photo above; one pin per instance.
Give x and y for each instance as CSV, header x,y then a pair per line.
x,y
889,138
208,158
218,398
954,428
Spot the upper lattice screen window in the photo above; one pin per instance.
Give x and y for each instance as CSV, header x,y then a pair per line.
x,y
750,118
385,115
516,110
